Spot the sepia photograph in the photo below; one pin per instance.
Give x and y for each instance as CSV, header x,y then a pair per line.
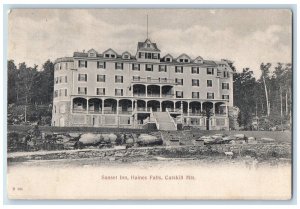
x,y
149,104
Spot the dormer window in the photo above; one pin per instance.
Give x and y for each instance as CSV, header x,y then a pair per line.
x,y
92,53
112,56
183,58
107,55
168,59
148,45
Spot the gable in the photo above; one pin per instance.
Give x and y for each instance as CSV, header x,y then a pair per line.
x,y
109,53
183,58
92,53
168,58
126,55
198,60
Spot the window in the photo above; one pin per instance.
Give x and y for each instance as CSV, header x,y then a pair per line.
x,y
186,60
210,95
149,67
219,73
112,56
82,77
101,65
82,90
209,83
162,68
195,70
210,71
225,97
60,79
56,93
141,55
60,94
66,79
195,82
126,56
181,60
168,59
118,79
148,79
148,55
118,92
195,94
119,66
178,69
162,80
66,92
179,94
82,63
155,56
107,55
136,78
100,78
179,81
225,85
136,66
56,80
226,74
148,45
100,91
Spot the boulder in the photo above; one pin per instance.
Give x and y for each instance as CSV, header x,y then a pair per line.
x,y
89,138
129,141
267,139
240,136
146,139
74,135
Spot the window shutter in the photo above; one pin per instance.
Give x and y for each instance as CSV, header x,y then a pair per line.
x,y
85,90
85,77
122,79
122,66
86,64
104,65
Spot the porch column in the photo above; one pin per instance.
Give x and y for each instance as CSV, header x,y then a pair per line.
x,y
181,109
71,105
87,105
188,109
132,105
117,107
160,106
102,106
201,107
227,109
118,113
160,91
146,105
174,106
214,108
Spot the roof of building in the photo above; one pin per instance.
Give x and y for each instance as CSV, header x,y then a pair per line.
x,y
141,46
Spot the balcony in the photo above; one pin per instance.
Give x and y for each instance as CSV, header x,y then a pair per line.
x,y
153,81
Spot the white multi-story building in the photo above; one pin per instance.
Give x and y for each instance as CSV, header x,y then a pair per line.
x,y
141,90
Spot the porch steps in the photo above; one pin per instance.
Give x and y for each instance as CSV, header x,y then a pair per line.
x,y
164,121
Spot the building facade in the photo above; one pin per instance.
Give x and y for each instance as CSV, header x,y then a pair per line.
x,y
142,90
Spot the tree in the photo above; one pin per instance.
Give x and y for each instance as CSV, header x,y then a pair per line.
x,y
244,95
265,76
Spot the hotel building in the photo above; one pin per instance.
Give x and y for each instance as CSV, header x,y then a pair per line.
x,y
142,90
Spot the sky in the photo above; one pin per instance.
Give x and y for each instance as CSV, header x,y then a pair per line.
x,y
247,37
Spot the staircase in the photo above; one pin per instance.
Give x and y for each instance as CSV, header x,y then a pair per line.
x,y
165,121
